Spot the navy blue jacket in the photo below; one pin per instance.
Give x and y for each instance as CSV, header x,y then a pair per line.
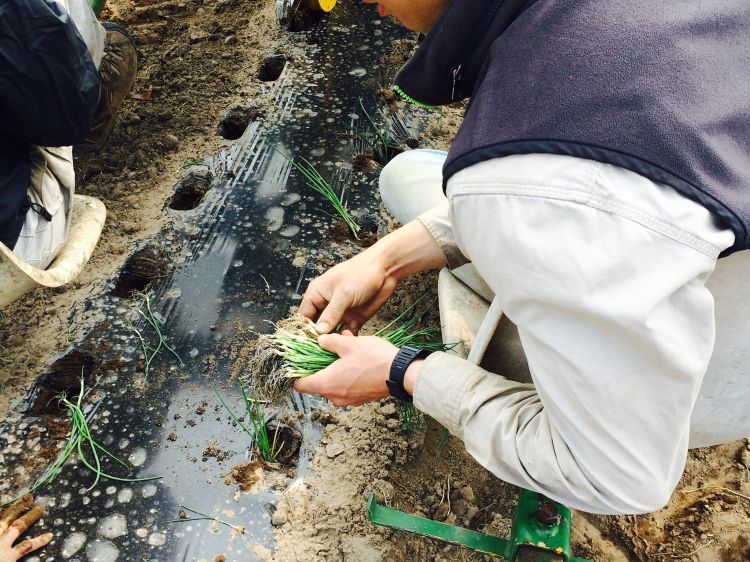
x,y
49,87
655,86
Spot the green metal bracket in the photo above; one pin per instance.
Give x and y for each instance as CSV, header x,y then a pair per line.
x,y
540,533
395,519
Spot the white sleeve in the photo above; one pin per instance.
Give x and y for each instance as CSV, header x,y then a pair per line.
x,y
617,327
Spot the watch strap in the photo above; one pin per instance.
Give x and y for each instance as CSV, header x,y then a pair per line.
x,y
405,356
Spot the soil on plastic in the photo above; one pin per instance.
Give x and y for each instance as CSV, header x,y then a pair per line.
x,y
245,475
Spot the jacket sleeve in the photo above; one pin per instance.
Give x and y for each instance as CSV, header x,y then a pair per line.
x,y
49,85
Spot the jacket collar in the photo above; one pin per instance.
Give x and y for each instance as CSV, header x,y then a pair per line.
x,y
447,65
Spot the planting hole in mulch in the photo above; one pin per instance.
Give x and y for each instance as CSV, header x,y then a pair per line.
x,y
411,142
236,120
363,162
290,441
189,191
64,375
272,67
368,234
300,20
140,270
389,155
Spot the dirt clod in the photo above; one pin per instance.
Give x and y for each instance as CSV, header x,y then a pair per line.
x,y
245,475
213,451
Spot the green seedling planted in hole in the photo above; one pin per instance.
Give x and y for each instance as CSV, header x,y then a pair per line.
x,y
377,136
411,418
319,184
268,447
80,438
150,352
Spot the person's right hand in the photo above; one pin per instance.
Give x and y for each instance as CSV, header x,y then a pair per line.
x,y
349,293
13,522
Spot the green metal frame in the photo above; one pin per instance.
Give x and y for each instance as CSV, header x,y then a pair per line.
x,y
530,540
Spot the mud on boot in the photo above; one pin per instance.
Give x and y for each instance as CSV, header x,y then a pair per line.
x,y
117,70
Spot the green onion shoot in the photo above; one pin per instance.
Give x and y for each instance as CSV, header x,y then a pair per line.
x,y
321,185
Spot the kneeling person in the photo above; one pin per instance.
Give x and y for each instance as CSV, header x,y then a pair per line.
x,y
62,79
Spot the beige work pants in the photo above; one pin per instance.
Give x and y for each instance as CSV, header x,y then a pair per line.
x,y
52,176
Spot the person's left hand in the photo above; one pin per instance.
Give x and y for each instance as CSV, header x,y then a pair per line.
x,y
13,522
358,376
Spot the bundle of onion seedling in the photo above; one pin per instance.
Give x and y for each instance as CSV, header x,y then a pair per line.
x,y
292,351
319,184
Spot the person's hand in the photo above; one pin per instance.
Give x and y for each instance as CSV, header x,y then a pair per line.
x,y
13,522
349,293
353,291
358,376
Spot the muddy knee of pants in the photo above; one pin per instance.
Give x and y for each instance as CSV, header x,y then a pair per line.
x,y
51,193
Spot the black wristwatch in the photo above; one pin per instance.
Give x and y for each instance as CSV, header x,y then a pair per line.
x,y
403,359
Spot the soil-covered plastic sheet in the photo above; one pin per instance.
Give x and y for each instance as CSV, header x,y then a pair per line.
x,y
241,250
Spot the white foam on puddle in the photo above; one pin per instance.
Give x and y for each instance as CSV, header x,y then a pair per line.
x,y
125,495
275,218
137,457
72,544
290,198
289,231
157,539
100,550
113,526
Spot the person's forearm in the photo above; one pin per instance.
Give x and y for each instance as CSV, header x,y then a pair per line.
x,y
409,250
